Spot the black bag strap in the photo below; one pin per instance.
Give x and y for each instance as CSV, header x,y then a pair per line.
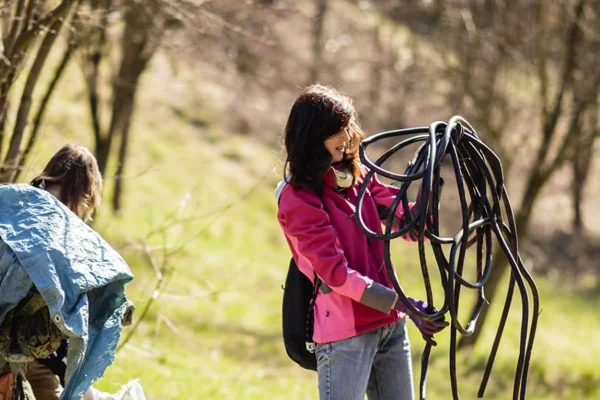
x,y
310,316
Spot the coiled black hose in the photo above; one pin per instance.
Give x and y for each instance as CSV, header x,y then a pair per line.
x,y
488,211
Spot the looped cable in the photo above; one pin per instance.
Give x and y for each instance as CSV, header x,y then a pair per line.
x,y
485,213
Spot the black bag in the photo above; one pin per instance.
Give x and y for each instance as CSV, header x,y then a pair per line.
x,y
299,296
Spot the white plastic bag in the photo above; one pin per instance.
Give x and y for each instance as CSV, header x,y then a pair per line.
x,y
132,390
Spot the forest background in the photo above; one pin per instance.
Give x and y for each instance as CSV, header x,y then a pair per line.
x,y
183,103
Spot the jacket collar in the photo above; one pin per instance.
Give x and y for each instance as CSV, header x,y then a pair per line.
x,y
329,178
343,181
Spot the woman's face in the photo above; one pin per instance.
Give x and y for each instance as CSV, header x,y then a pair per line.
x,y
338,144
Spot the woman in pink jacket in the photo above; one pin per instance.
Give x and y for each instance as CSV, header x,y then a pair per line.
x,y
362,344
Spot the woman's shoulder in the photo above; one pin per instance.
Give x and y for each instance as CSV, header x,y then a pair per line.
x,y
288,195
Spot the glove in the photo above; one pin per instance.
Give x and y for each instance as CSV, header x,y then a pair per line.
x,y
427,328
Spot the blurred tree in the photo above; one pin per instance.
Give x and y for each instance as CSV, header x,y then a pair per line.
x,y
587,91
561,104
492,52
38,120
254,49
143,26
224,33
22,23
317,39
483,54
581,162
93,49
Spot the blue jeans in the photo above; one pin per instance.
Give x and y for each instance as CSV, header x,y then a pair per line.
x,y
377,363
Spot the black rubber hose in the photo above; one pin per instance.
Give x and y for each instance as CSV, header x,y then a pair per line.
x,y
485,209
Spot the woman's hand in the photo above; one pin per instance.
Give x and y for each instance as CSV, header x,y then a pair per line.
x,y
426,327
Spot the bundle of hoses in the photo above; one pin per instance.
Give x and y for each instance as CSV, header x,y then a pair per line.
x,y
487,211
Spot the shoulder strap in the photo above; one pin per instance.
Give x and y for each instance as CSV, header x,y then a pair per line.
x,y
316,279
310,317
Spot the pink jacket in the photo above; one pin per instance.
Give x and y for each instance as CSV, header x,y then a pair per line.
x,y
356,294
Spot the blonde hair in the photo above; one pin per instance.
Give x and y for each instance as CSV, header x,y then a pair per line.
x,y
75,170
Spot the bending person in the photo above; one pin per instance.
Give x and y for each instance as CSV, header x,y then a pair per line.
x,y
48,250
73,177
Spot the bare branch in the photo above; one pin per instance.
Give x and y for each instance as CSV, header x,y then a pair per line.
x,y
26,38
16,27
571,47
160,279
12,156
39,117
542,59
574,130
317,39
235,28
29,14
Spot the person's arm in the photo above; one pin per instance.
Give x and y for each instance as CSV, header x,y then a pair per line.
x,y
315,242
384,195
56,361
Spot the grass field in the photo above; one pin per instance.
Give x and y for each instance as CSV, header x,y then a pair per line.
x,y
201,201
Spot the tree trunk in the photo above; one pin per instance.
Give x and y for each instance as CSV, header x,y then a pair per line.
x,y
578,167
31,6
39,117
2,127
139,44
119,176
581,163
4,107
91,67
102,151
10,40
101,148
317,45
17,47
11,161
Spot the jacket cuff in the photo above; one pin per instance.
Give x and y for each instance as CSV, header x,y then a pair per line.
x,y
378,297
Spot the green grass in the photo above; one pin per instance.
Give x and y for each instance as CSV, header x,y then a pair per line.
x,y
214,330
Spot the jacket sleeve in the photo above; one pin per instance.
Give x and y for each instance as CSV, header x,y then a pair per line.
x,y
315,242
384,195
